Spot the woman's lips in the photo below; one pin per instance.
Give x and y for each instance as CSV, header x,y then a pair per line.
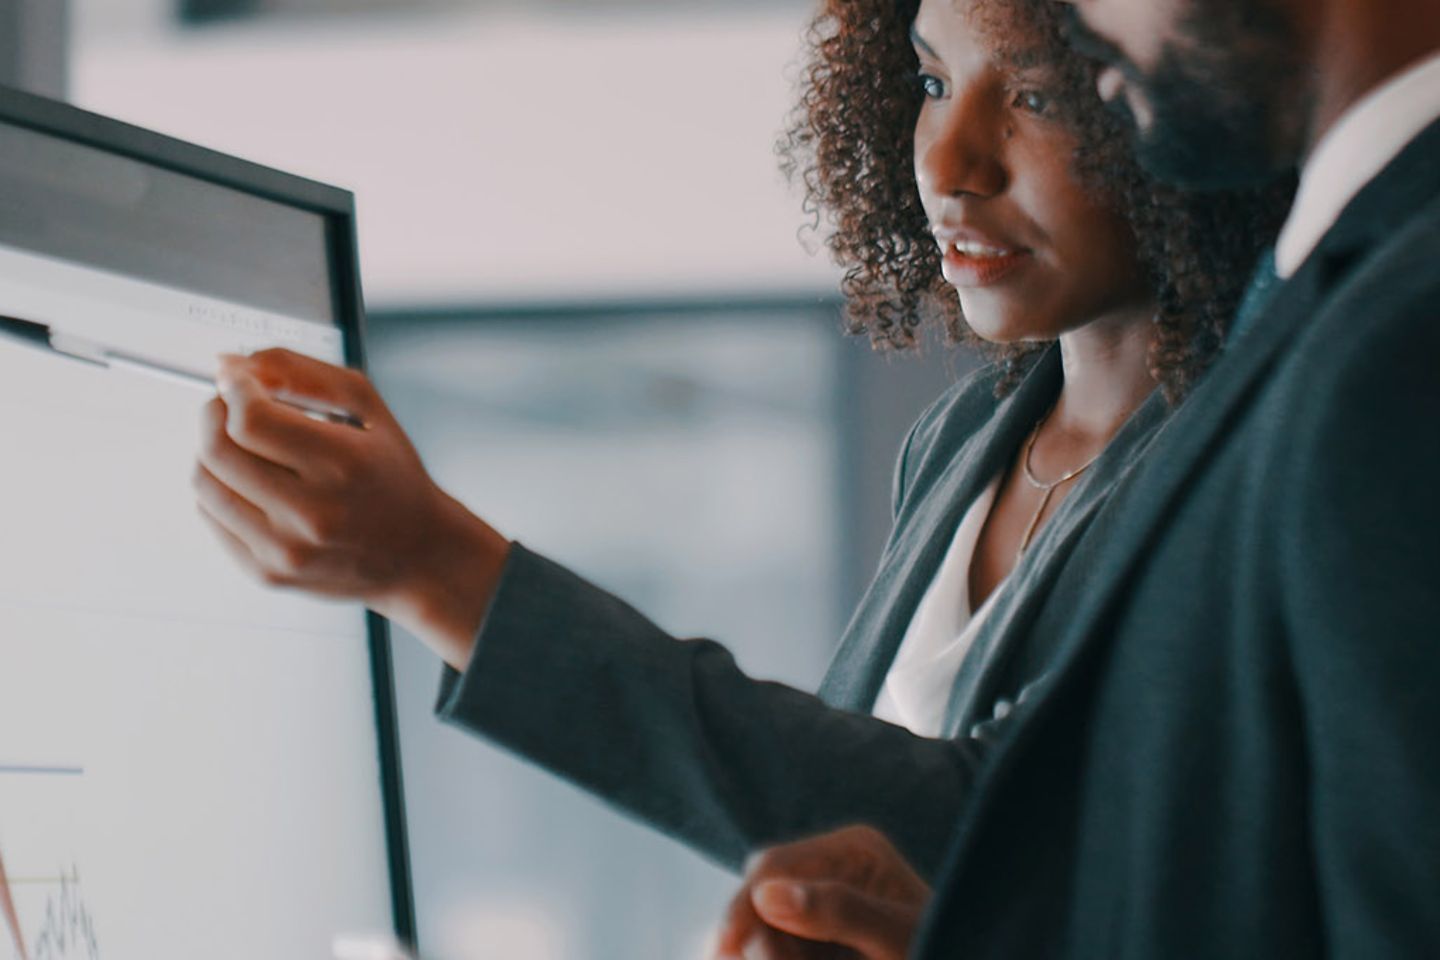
x,y
976,270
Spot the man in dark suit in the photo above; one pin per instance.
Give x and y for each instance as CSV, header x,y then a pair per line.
x,y
1225,749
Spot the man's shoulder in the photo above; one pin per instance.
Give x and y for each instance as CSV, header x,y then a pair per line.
x,y
1354,401
1378,337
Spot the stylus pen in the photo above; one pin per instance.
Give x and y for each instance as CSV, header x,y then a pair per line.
x,y
88,351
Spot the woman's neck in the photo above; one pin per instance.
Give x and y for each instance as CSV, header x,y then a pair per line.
x,y
1107,374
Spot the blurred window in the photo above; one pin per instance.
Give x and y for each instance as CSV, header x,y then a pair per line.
x,y
688,459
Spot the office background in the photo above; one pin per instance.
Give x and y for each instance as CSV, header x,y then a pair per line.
x,y
593,307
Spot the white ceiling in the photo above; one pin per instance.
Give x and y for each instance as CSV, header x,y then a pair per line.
x,y
499,157
100,19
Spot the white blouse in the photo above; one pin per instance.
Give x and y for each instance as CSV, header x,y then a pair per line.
x,y
916,691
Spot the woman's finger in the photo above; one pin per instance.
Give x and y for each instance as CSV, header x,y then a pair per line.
x,y
295,375
264,426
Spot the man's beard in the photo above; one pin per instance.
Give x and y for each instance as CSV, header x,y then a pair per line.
x,y
1216,97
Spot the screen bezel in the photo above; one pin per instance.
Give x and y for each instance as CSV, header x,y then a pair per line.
x,y
337,208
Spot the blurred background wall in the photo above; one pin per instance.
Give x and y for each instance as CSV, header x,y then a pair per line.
x,y
593,307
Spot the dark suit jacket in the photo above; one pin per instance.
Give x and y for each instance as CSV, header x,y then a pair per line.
x,y
673,733
1233,752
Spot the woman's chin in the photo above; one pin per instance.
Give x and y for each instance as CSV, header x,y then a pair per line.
x,y
1005,323
997,319
998,331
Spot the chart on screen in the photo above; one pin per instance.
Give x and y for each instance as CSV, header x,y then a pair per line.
x,y
44,913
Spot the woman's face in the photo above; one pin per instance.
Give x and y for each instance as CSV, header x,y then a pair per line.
x,y
1030,251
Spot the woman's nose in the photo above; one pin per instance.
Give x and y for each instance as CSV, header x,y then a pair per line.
x,y
958,146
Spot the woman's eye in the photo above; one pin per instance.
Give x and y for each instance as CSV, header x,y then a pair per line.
x,y
1032,101
930,85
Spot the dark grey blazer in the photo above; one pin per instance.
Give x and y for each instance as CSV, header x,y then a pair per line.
x,y
1233,753
673,733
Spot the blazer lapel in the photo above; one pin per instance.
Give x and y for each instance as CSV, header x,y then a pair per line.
x,y
962,461
988,671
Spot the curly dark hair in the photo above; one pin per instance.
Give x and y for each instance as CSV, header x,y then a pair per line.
x,y
851,140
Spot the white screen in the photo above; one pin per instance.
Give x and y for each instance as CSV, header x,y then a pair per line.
x,y
188,761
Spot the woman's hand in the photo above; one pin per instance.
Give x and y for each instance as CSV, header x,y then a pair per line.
x,y
846,894
337,510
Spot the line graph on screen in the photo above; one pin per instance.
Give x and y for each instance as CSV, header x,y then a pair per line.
x,y
44,914
64,928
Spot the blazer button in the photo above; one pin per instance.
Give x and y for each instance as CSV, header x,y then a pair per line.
x,y
1003,708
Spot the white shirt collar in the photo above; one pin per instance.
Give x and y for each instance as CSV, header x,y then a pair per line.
x,y
1361,143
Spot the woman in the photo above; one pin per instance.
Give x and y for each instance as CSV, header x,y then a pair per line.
x,y
971,174
1011,151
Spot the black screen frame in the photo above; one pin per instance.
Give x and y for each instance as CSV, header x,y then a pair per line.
x,y
337,208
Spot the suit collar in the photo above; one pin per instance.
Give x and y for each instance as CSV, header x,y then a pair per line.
x,y
1385,204
1370,134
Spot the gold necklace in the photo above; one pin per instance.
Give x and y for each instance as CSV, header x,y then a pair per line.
x,y
1046,488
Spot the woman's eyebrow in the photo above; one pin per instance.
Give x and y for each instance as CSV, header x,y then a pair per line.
x,y
921,45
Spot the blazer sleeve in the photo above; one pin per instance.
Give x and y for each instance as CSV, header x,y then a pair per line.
x,y
671,732
1361,560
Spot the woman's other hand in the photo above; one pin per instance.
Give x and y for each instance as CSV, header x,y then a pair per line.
x,y
844,894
